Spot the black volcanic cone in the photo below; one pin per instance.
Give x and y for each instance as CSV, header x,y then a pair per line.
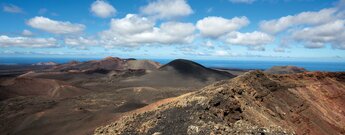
x,y
190,68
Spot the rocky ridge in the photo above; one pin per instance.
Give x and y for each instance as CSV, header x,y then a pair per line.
x,y
254,103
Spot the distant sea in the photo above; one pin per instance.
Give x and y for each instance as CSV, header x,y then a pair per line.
x,y
237,64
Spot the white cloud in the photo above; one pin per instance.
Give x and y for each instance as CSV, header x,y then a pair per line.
x,y
167,9
195,52
222,53
102,9
251,40
178,30
27,33
317,37
215,27
192,51
243,1
134,30
310,18
131,24
312,29
56,27
6,41
80,41
12,9
209,44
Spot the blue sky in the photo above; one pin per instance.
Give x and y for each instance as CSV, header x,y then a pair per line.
x,y
193,29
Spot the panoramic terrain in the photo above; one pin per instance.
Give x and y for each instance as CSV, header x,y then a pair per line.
x,y
172,67
129,96
253,103
77,97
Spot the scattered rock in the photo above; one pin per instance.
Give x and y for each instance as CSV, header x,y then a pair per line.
x,y
254,103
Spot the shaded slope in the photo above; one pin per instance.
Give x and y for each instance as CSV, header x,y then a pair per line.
x,y
254,103
179,73
80,115
193,69
15,70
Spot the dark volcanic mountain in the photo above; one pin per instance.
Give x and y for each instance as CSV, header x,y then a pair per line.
x,y
253,103
193,69
180,73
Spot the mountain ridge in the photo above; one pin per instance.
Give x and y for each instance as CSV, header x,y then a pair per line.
x,y
253,103
108,63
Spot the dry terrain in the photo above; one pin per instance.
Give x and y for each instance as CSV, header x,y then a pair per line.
x,y
78,97
253,103
128,96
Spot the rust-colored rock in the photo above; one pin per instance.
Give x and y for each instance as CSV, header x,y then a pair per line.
x,y
254,103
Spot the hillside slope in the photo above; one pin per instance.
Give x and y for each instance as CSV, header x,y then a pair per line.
x,y
179,73
193,69
22,86
49,102
254,103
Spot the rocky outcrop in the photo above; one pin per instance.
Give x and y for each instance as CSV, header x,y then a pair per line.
x,y
253,103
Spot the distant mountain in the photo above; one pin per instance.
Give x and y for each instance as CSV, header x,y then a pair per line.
x,y
142,64
45,64
285,70
253,103
108,63
193,69
180,73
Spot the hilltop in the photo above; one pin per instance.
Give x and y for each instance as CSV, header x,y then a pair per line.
x,y
180,73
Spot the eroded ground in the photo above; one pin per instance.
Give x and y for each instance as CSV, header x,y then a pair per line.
x,y
254,103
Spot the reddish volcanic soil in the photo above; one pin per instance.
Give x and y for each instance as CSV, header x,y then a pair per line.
x,y
319,105
23,86
78,97
254,103
127,96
